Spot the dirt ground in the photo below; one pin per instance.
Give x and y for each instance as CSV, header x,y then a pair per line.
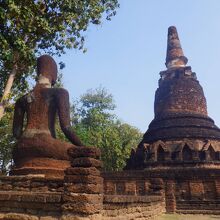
x,y
188,217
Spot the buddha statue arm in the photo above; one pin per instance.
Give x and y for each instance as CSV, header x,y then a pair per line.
x,y
64,116
18,118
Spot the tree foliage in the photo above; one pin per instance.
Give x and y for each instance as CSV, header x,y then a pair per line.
x,y
29,28
96,125
6,140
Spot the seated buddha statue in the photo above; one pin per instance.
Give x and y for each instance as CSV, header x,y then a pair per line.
x,y
37,150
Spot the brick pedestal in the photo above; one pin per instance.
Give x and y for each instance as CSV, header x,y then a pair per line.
x,y
83,185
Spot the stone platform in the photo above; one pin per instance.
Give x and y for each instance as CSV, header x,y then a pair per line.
x,y
43,198
30,197
140,194
189,190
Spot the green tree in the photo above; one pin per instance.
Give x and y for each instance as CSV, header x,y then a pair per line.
x,y
96,125
29,28
6,140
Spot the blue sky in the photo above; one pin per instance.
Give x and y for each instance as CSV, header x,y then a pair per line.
x,y
126,54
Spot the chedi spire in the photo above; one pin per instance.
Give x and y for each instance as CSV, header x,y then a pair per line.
x,y
175,56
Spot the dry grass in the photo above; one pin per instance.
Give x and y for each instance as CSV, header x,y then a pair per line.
x,y
188,217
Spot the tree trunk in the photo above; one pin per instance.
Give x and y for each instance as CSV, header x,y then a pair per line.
x,y
7,91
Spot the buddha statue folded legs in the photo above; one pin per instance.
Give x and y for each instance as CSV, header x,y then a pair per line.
x,y
41,154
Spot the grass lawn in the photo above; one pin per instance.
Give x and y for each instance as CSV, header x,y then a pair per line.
x,y
188,217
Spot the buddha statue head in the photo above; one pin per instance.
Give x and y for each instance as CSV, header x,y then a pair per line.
x,y
46,69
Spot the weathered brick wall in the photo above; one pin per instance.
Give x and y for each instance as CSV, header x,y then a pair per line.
x,y
192,190
198,195
186,190
127,194
33,198
31,184
137,183
39,198
132,207
131,195
180,92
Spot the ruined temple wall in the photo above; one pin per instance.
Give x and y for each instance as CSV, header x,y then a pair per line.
x,y
119,207
32,198
31,184
131,195
198,193
127,195
40,198
184,190
84,193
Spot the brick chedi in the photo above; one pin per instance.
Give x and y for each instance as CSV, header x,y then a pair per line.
x,y
182,143
181,131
